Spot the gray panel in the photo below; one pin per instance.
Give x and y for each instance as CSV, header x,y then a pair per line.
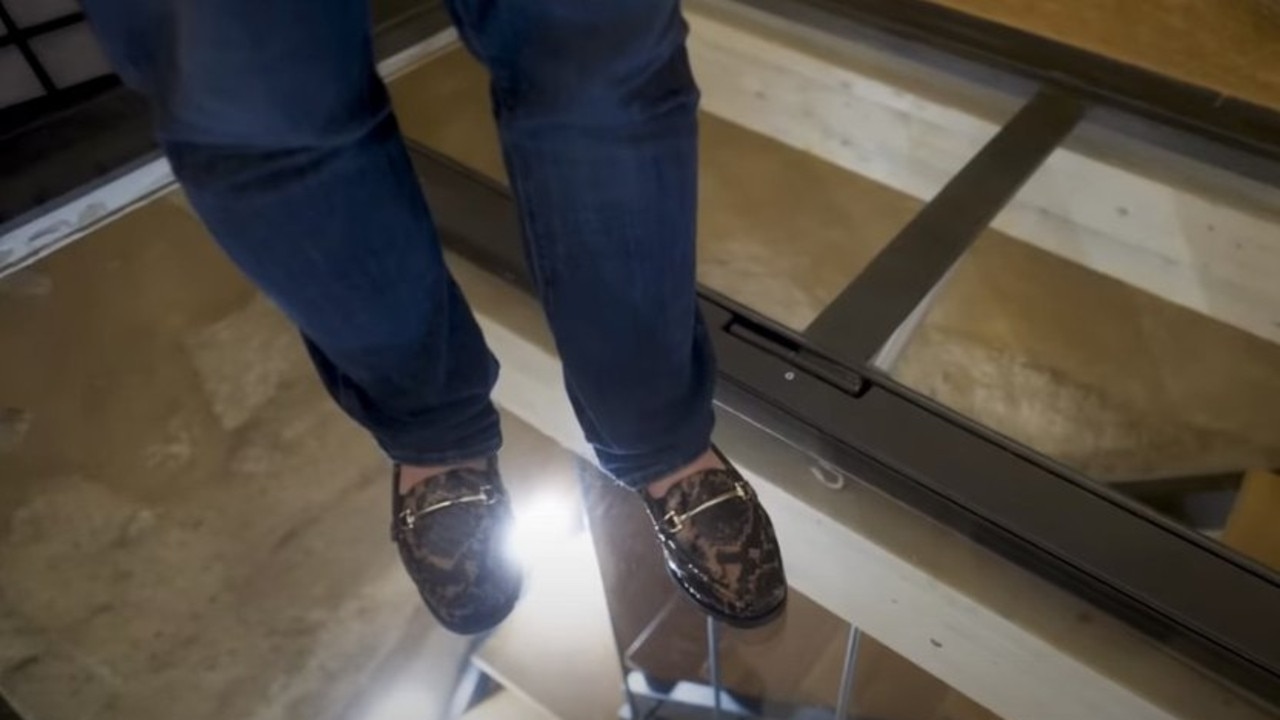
x,y
71,55
17,82
30,12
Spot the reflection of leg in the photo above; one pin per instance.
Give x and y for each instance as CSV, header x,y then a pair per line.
x,y
597,108
281,133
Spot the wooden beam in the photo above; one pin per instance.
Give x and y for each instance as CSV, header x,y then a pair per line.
x,y
506,705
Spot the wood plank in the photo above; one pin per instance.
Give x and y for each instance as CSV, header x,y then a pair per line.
x,y
1254,525
848,105
887,685
506,705
1232,47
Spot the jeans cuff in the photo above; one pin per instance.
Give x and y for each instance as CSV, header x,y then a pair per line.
x,y
446,457
639,480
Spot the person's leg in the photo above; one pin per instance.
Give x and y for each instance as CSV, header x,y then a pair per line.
x,y
280,131
596,106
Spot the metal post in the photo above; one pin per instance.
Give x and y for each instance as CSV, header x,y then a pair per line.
x,y
846,679
713,659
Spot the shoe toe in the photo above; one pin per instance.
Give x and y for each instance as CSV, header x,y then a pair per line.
x,y
451,534
720,547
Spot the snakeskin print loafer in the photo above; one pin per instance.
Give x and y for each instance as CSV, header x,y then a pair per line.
x,y
451,531
720,547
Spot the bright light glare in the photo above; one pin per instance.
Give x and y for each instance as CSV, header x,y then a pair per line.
x,y
541,529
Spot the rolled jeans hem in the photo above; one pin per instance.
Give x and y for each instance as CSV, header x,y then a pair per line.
x,y
447,457
640,479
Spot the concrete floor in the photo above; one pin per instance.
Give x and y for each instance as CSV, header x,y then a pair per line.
x,y
186,520
1221,46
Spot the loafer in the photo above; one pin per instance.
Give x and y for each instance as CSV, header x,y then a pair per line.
x,y
720,547
451,531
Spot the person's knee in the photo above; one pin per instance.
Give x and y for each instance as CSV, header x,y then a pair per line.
x,y
247,74
263,113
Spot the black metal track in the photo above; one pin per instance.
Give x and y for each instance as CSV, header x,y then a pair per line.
x,y
56,158
401,24
42,28
856,325
1054,523
1057,524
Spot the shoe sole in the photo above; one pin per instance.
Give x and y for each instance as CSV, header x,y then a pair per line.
x,y
740,622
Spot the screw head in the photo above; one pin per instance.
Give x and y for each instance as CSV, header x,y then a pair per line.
x,y
790,375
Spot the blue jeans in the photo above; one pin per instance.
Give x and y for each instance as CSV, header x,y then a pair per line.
x,y
280,131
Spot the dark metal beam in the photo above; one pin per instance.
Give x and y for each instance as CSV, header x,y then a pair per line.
x,y
404,24
7,712
42,28
855,326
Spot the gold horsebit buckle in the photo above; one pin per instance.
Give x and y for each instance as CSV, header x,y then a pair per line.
x,y
674,522
408,517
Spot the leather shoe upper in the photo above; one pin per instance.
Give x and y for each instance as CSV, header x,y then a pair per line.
x,y
720,546
451,531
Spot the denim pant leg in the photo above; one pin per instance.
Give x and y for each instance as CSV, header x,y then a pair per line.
x,y
597,107
280,131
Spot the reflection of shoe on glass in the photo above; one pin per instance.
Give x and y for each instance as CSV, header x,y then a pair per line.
x,y
720,547
451,530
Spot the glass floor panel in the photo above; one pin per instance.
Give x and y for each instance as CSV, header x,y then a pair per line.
x,y
1128,330
185,520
